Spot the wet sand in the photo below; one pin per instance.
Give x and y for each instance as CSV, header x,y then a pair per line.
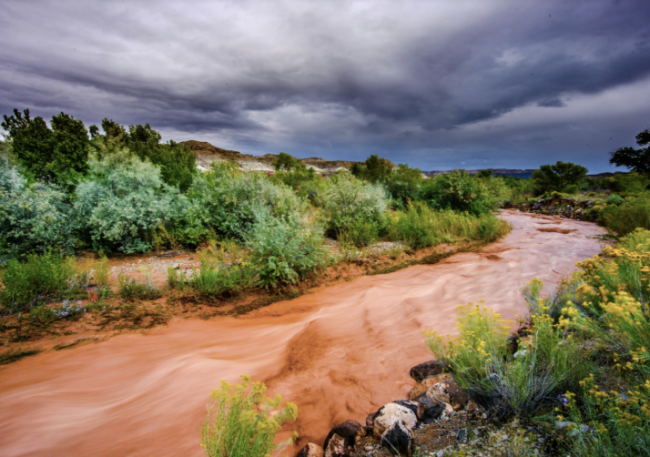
x,y
339,353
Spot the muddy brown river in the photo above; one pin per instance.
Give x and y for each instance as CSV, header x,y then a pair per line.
x,y
339,353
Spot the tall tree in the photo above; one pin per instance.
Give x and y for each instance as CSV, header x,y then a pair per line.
x,y
635,159
376,169
557,177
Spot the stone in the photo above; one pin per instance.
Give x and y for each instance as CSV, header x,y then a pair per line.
x,y
398,439
458,398
370,419
390,414
348,430
423,386
336,447
311,450
412,405
426,370
428,411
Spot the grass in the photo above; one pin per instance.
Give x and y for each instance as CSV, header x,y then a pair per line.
x,y
132,289
41,279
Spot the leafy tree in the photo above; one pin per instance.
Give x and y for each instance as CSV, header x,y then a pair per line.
x,y
288,163
376,169
124,200
177,163
403,183
557,177
487,173
59,155
458,191
636,159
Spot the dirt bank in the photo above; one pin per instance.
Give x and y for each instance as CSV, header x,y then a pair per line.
x,y
338,353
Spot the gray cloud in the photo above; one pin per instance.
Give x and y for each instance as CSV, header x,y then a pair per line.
x,y
433,84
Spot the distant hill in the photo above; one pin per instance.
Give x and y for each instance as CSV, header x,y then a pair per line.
x,y
207,153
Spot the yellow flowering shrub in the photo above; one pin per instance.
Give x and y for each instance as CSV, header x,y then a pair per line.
x,y
241,422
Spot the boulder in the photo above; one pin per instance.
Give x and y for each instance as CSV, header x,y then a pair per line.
x,y
426,370
336,447
348,430
428,411
391,414
311,450
398,439
448,392
426,384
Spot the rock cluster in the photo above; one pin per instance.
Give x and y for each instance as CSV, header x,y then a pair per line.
x,y
435,396
561,206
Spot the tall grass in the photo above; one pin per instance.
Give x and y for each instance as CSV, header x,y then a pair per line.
x,y
419,226
131,288
241,422
40,279
628,216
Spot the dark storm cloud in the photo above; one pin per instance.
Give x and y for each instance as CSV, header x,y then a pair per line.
x,y
411,80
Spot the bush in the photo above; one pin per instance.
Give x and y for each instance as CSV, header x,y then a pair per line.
x,y
615,200
458,191
502,384
33,218
223,201
286,251
628,216
124,201
416,227
361,233
348,199
41,279
243,423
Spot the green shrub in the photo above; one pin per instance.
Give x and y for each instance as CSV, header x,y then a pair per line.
x,y
362,233
241,422
286,251
458,191
628,216
41,279
224,201
33,218
416,227
615,200
348,199
123,201
521,385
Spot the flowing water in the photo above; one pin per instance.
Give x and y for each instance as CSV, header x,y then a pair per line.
x,y
339,353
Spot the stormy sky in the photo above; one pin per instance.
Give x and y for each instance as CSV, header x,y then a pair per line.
x,y
435,84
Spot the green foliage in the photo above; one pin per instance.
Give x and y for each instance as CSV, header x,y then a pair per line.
x,y
635,159
58,155
177,163
41,279
361,233
123,201
217,281
33,218
615,200
458,191
403,184
558,176
348,199
287,162
286,251
132,289
628,216
241,422
375,169
225,202
421,227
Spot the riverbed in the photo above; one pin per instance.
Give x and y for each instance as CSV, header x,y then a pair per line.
x,y
339,353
